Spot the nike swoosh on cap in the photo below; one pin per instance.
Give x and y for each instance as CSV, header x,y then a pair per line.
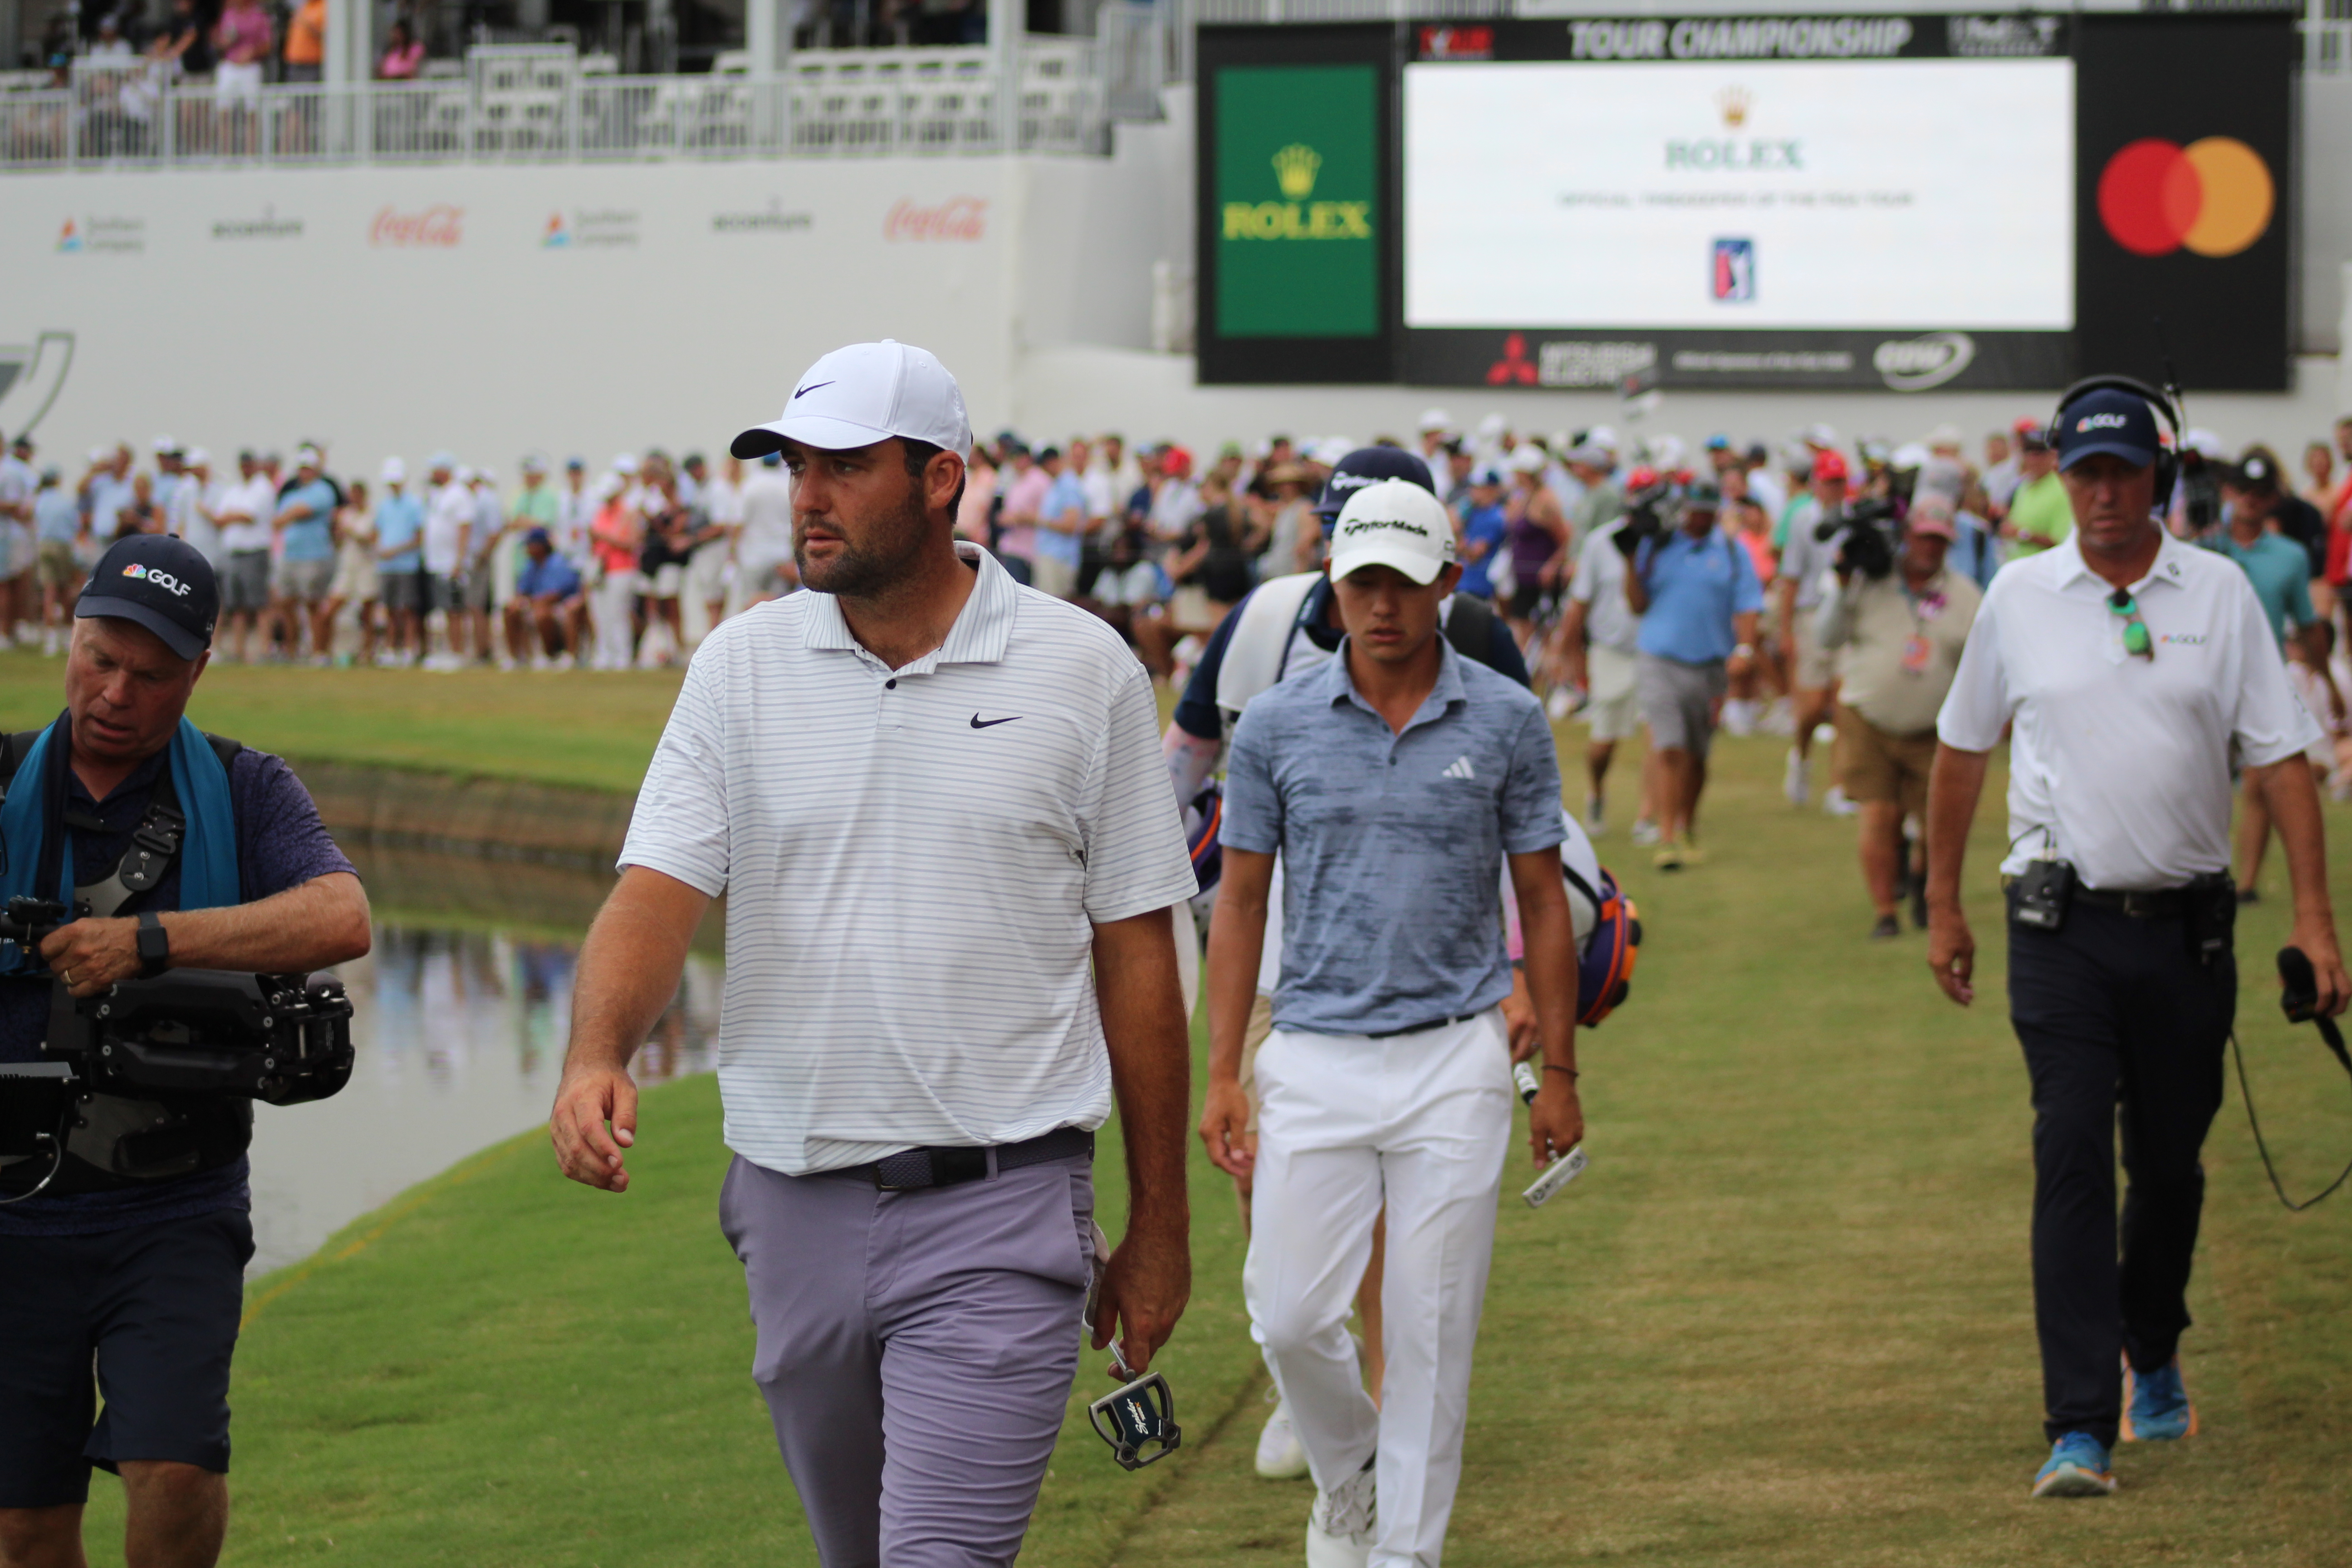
x,y
805,391
980,723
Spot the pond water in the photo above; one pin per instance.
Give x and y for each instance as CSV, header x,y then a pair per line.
x,y
461,1016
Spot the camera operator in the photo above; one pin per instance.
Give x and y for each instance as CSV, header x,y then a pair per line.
x,y
2131,666
1897,635
132,1261
1697,593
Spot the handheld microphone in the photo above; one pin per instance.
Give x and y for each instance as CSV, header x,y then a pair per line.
x,y
2299,997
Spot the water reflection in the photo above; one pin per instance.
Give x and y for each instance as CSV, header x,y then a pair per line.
x,y
461,1022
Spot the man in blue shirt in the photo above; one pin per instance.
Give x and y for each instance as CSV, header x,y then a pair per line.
x,y
1483,528
1394,782
305,522
1061,529
400,561
1697,593
548,603
2280,570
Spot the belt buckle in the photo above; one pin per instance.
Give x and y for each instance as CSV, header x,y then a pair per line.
x,y
908,1171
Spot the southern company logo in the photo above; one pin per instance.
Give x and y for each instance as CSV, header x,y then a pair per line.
x,y
126,236
2213,198
597,227
1296,169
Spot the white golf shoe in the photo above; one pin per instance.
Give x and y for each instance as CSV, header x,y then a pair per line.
x,y
1279,1456
1339,1530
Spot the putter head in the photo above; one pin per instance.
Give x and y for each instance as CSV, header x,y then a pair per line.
x,y
1138,1421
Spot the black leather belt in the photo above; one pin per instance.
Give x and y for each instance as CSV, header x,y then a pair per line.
x,y
1417,1028
911,1169
2156,904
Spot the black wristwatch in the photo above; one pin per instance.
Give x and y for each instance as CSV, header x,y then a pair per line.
x,y
154,944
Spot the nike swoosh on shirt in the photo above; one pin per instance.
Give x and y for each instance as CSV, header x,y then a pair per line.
x,y
805,391
980,723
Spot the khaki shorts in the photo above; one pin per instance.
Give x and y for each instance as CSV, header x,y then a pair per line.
x,y
57,566
1613,706
1875,766
1816,666
1261,1025
1059,578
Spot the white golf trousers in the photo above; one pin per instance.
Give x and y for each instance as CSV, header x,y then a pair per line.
x,y
1422,1122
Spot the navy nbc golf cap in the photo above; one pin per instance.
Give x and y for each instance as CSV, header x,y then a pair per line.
x,y
2108,420
1369,466
160,582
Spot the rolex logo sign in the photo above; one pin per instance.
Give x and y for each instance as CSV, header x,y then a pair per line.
x,y
1734,101
1295,167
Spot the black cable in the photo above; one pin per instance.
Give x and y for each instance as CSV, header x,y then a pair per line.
x,y
2238,1054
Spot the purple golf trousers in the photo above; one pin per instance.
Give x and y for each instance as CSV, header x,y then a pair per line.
x,y
917,1349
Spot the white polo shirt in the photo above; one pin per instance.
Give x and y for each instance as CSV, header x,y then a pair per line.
x,y
2120,765
913,861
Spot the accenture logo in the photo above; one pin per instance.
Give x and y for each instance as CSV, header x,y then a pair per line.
x,y
163,580
1915,364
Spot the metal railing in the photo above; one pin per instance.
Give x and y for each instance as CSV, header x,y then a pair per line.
x,y
521,104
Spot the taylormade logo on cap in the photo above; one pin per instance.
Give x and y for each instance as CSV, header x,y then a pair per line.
x,y
1393,523
864,394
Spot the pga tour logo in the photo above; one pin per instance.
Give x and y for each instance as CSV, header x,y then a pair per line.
x,y
163,580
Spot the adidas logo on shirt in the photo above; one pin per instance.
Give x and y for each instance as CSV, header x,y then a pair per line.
x,y
1461,769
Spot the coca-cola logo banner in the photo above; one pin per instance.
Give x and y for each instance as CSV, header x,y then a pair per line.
x,y
962,218
438,227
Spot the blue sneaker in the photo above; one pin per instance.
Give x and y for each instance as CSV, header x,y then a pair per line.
x,y
2077,1467
2155,1404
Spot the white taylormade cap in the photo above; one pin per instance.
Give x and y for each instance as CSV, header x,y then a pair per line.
x,y
864,394
1393,523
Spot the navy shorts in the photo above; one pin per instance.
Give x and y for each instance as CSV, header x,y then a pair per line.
x,y
157,1307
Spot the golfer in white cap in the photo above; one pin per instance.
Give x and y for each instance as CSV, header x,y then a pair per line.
x,y
935,802
1395,780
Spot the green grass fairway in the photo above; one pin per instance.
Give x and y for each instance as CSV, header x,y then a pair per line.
x,y
560,727
1784,1319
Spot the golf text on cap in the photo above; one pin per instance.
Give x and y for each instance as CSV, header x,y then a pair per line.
x,y
2100,422
163,580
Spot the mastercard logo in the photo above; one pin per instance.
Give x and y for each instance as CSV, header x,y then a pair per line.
x,y
2213,196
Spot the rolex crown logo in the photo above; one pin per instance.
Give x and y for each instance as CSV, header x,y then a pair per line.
x,y
1734,103
1295,168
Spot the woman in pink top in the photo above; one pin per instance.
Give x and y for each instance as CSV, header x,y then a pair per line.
x,y
402,56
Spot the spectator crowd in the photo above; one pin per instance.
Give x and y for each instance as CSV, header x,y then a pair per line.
x,y
1740,608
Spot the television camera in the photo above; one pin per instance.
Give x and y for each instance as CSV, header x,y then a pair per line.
x,y
281,1039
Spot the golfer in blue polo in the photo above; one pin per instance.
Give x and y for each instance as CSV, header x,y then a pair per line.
x,y
1393,781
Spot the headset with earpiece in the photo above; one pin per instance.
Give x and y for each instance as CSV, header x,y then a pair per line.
x,y
2168,458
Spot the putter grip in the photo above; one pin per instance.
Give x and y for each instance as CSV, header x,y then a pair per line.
x,y
1524,1075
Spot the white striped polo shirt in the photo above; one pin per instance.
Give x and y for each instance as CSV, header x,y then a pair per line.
x,y
913,861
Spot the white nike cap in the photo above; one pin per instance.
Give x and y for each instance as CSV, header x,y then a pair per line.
x,y
866,392
1393,523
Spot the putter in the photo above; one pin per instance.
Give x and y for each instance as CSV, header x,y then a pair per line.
x,y
1560,1172
1138,1419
